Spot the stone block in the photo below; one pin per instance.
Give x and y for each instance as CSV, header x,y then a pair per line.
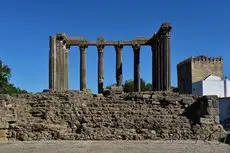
x,y
9,118
3,134
2,111
154,97
206,120
4,97
107,92
215,103
146,96
4,125
217,111
188,100
113,90
217,119
209,103
117,88
212,111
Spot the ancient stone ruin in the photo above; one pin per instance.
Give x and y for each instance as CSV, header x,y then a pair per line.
x,y
7,116
59,114
159,42
82,115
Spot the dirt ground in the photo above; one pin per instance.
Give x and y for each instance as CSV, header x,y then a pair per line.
x,y
112,147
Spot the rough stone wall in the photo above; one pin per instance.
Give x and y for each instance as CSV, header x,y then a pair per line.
x,y
7,116
134,116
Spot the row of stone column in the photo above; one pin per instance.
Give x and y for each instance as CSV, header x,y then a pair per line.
x,y
160,43
161,62
118,49
160,65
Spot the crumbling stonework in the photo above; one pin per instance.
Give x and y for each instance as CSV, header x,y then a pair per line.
x,y
7,116
81,115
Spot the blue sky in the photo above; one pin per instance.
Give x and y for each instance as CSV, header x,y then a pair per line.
x,y
200,27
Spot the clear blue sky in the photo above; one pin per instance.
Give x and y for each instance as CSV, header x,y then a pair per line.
x,y
200,27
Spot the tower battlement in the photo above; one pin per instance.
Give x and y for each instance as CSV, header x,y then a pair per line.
x,y
204,59
207,59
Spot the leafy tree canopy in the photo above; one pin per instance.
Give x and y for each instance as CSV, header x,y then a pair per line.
x,y
5,86
128,86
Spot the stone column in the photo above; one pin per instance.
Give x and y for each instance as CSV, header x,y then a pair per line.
x,y
137,83
158,65
167,65
153,67
161,63
52,64
118,49
63,65
58,64
83,67
66,65
100,49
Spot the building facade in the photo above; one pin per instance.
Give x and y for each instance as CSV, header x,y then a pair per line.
x,y
195,69
212,85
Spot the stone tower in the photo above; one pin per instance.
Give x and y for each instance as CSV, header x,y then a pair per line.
x,y
196,69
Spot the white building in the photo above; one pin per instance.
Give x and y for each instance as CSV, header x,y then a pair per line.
x,y
212,85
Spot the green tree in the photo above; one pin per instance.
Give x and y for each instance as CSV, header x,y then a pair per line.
x,y
5,85
128,86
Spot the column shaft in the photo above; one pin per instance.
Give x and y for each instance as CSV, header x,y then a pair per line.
x,y
167,66
67,69
153,67
119,64
83,67
52,63
156,75
158,66
58,65
137,83
162,63
100,68
62,70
